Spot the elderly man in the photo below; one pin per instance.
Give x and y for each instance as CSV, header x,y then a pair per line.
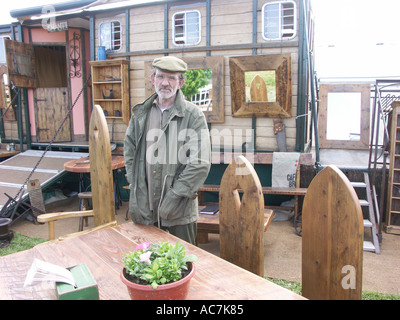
x,y
167,154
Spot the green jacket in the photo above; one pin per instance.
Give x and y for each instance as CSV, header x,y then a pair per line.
x,y
176,182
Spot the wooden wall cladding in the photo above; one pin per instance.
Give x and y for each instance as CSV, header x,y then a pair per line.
x,y
281,64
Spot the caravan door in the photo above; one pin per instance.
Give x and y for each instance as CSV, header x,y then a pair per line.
x,y
44,69
51,107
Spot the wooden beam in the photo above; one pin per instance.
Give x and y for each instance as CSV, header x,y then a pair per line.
x,y
272,44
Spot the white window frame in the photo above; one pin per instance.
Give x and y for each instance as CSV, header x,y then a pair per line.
x,y
183,36
111,42
281,26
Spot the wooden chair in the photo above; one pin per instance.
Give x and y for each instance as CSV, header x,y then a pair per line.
x,y
101,179
258,89
332,240
241,221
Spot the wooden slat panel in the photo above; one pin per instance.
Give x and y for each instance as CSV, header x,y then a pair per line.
x,y
51,109
332,238
21,64
101,178
241,221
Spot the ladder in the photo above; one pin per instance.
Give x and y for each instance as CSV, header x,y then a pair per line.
x,y
371,217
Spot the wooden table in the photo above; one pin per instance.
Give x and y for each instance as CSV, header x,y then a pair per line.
x,y
102,252
4,153
82,166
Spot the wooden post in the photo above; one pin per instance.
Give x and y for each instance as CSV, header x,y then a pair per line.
x,y
100,169
332,238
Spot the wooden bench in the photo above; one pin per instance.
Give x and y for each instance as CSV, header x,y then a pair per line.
x,y
209,223
332,239
262,158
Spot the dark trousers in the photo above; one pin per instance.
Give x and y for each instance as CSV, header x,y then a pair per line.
x,y
185,232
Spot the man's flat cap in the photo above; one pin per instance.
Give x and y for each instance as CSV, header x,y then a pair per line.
x,y
170,63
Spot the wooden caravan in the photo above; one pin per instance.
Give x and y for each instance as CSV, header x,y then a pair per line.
x,y
229,41
236,42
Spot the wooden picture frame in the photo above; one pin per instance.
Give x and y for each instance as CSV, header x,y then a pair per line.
x,y
281,64
324,140
216,64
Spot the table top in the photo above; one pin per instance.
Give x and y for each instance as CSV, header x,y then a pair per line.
x,y
82,165
102,251
4,153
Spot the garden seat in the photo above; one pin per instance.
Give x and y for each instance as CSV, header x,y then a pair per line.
x,y
100,176
241,221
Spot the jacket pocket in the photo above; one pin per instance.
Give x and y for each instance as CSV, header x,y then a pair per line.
x,y
173,206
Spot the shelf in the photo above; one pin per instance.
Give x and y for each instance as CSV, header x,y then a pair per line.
x,y
393,198
103,73
112,117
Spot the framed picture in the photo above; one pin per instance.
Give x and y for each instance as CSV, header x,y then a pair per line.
x,y
210,95
261,86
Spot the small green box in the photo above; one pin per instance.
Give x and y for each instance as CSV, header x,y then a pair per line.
x,y
86,285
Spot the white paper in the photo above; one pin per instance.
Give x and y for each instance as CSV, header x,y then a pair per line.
x,y
42,271
284,167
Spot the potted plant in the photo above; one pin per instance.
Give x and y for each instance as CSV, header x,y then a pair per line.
x,y
159,271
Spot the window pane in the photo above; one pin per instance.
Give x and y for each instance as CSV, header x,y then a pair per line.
x,y
116,36
279,19
192,27
287,19
271,21
110,35
105,35
187,28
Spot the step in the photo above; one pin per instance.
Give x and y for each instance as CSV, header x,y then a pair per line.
x,y
368,246
364,203
367,223
358,184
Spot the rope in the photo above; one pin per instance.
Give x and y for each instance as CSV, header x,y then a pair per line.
x,y
55,135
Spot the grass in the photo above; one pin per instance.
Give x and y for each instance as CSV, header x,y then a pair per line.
x,y
366,295
21,243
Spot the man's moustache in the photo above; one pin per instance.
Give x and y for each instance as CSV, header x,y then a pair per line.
x,y
162,87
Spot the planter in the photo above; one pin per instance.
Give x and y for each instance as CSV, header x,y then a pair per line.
x,y
171,291
5,234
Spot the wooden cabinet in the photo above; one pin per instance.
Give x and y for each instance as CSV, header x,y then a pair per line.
x,y
110,87
393,200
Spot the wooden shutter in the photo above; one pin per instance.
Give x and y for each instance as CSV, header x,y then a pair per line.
x,y
20,63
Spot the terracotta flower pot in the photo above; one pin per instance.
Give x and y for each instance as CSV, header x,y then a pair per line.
x,y
171,291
